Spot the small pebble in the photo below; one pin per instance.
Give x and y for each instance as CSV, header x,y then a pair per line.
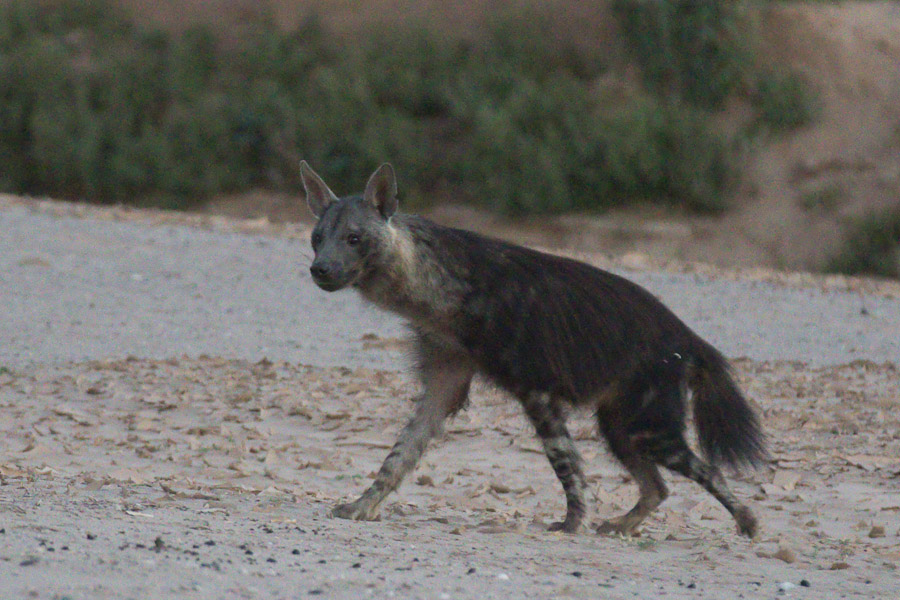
x,y
503,577
877,531
576,574
805,583
785,586
839,566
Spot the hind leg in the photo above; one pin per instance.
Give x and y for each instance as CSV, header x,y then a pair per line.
x,y
688,464
653,492
650,483
647,429
548,418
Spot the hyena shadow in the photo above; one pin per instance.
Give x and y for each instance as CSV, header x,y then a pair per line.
x,y
553,332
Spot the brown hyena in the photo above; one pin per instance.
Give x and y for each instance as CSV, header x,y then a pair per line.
x,y
552,331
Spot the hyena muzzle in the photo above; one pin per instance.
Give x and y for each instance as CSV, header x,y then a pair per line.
x,y
554,332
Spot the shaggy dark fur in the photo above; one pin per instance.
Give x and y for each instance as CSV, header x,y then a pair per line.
x,y
553,332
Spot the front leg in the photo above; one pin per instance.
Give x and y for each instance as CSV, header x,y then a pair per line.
x,y
446,379
403,458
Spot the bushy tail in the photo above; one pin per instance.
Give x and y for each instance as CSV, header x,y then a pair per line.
x,y
728,428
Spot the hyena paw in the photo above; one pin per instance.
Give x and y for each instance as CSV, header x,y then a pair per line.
x,y
614,527
567,526
746,522
356,511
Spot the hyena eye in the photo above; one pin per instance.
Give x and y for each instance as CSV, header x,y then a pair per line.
x,y
316,239
353,239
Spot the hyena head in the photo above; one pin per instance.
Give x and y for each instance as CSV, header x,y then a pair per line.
x,y
349,232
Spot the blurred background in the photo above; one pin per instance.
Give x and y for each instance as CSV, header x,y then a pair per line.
x,y
736,133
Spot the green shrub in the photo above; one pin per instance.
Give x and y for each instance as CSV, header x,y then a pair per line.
x,y
783,100
594,158
872,248
690,49
823,197
104,110
670,152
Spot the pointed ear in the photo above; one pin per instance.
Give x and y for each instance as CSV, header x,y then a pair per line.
x,y
381,190
318,195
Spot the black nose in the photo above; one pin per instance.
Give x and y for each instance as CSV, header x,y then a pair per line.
x,y
318,271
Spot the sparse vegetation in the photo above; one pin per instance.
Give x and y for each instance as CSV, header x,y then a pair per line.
x,y
105,110
702,53
783,100
695,50
823,197
872,248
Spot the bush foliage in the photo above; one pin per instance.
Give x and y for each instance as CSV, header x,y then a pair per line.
x,y
872,247
99,108
783,101
694,49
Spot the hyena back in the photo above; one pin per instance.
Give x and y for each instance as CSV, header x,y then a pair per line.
x,y
552,331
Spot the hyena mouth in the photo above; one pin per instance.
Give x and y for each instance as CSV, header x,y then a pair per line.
x,y
333,283
329,285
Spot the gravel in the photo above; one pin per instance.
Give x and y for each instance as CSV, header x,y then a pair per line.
x,y
76,289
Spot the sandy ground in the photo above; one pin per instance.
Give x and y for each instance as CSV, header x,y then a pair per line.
x,y
160,441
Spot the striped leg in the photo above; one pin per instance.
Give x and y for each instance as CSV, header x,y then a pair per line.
x,y
644,423
646,429
650,483
446,389
653,492
548,418
643,447
688,464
